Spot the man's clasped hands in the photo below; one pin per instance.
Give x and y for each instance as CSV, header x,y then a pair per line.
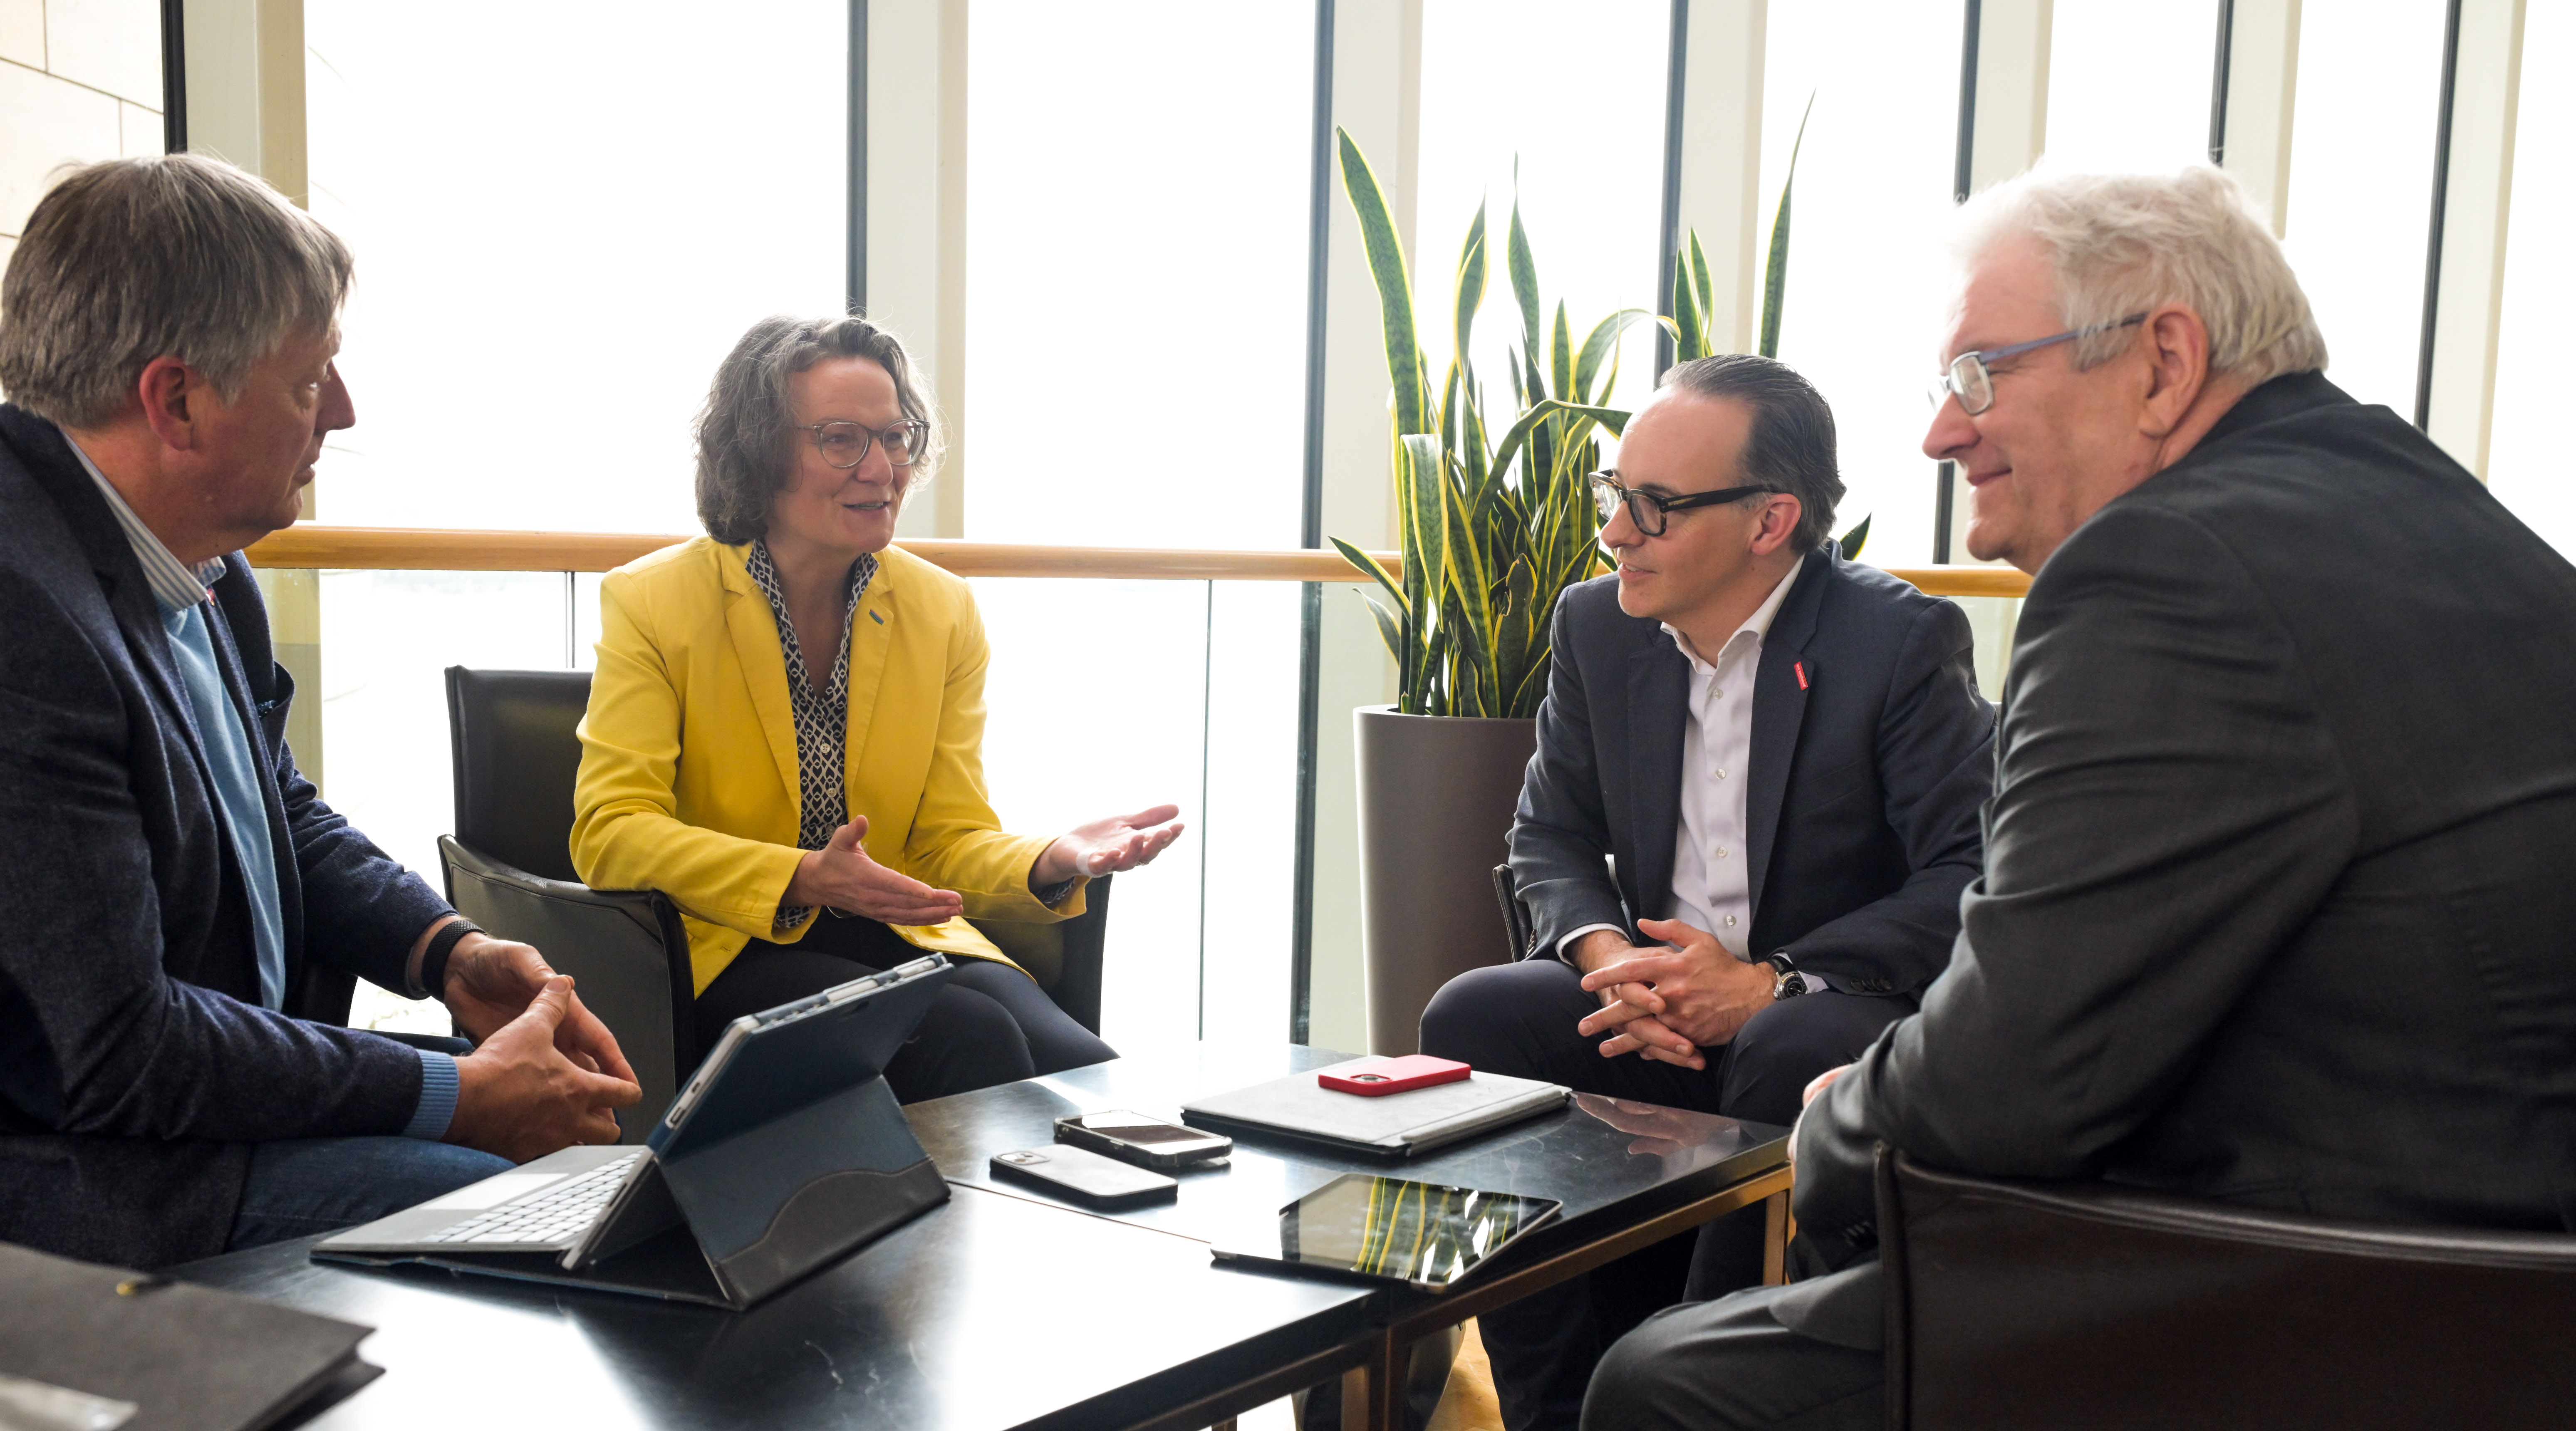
x,y
1672,1001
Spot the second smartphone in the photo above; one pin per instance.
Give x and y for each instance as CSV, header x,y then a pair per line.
x,y
1147,1142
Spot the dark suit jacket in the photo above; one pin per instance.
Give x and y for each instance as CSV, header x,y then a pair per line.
x,y
1861,800
2280,894
136,1066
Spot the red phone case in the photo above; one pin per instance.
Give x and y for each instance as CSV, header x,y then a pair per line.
x,y
1395,1075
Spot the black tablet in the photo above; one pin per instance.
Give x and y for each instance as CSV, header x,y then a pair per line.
x,y
1424,1235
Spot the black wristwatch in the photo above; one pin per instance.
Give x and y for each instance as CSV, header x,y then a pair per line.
x,y
1786,981
433,960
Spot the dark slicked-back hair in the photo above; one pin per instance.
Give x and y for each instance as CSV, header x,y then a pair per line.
x,y
176,255
1791,444
746,432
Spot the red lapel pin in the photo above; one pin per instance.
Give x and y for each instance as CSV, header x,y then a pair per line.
x,y
1801,669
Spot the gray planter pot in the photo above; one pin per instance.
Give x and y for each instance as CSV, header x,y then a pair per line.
x,y
1436,801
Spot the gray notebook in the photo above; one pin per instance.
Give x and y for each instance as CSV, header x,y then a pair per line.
x,y
1397,1125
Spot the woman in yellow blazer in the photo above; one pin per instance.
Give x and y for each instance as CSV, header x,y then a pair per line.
x,y
785,730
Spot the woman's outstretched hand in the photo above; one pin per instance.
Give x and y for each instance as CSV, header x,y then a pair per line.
x,y
841,876
1107,845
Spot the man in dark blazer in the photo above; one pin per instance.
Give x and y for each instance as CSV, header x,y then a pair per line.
x,y
1782,755
177,890
2278,887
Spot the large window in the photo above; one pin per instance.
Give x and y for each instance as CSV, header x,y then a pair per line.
x,y
1135,372
1867,278
2361,186
2527,455
1563,107
2128,84
557,237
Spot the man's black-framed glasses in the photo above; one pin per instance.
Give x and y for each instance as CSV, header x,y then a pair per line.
x,y
845,444
1649,511
1973,385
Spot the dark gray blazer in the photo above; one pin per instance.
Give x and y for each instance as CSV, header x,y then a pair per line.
x,y
1861,800
2280,894
136,1066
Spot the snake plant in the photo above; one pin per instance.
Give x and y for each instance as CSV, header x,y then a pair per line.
x,y
1493,526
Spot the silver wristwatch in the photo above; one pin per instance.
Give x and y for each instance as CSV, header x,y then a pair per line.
x,y
1786,981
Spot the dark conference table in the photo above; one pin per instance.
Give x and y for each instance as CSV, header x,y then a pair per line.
x,y
1007,1309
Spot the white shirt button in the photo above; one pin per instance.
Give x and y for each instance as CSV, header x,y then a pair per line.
x,y
1721,852
1730,921
1721,774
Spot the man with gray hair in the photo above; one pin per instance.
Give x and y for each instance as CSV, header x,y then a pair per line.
x,y
178,893
2277,892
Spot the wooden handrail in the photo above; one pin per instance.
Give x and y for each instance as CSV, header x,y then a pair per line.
x,y
427,549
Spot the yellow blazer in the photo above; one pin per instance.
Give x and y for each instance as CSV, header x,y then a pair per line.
x,y
688,752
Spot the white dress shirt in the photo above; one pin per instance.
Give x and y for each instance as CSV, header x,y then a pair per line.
x,y
1712,888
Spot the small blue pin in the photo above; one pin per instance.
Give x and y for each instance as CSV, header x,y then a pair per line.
x,y
876,617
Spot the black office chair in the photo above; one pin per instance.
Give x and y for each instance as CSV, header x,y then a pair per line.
x,y
2023,1305
509,869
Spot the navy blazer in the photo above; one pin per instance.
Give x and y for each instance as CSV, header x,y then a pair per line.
x,y
1872,753
136,1066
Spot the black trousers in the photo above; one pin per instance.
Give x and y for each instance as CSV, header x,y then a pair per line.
x,y
991,1023
1520,1019
1729,1365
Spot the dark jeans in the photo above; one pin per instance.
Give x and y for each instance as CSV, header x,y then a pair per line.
x,y
301,1186
991,1023
1519,1019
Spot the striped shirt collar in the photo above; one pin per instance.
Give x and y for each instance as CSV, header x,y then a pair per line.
x,y
173,584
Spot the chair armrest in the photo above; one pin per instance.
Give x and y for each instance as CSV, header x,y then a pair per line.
x,y
625,950
2031,1305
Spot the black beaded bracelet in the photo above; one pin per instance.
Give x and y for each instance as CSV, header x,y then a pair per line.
x,y
433,960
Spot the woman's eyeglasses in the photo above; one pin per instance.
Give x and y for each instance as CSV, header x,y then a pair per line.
x,y
845,444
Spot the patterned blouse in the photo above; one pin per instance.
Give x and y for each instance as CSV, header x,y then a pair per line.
x,y
822,717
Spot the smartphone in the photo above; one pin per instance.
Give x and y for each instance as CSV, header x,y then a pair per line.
x,y
1147,1142
1085,1175
1394,1075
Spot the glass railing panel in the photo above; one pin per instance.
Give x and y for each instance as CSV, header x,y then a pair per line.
x,y
1105,697
1993,620
1248,820
388,638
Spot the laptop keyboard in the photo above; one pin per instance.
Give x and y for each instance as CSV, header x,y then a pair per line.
x,y
553,1215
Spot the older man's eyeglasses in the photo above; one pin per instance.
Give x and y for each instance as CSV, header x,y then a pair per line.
x,y
845,444
1973,385
1650,511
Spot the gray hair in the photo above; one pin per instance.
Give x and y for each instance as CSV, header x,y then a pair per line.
x,y
177,256
1790,445
2127,243
746,430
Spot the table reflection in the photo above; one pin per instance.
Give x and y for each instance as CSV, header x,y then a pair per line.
x,y
1683,1139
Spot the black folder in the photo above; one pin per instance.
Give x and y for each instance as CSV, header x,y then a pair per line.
x,y
96,1340
785,1151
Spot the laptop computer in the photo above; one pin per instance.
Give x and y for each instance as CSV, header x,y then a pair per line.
x,y
784,1151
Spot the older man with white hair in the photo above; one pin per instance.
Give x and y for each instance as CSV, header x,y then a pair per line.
x,y
2277,890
